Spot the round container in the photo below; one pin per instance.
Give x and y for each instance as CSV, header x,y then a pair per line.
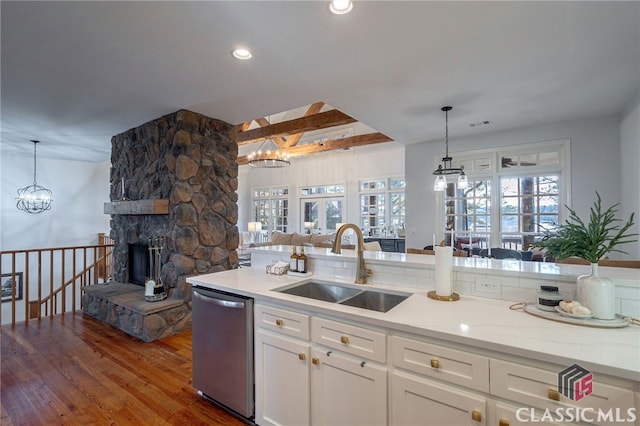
x,y
549,298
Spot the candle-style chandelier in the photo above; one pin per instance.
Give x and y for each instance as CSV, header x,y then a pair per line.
x,y
446,168
34,198
268,155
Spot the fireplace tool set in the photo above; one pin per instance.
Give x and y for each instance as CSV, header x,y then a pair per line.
x,y
154,288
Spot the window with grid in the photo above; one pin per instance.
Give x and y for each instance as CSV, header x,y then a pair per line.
x,y
271,208
531,184
382,205
528,206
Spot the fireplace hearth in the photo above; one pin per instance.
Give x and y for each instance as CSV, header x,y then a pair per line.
x,y
188,161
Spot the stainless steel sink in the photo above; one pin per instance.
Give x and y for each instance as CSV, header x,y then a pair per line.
x,y
381,301
375,300
321,291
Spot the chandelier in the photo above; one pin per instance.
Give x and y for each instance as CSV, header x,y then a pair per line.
x,y
34,198
268,155
445,168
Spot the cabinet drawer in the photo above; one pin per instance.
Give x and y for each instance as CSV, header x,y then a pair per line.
x,y
419,401
454,366
286,322
357,341
535,387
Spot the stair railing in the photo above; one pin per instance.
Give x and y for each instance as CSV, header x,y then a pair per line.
x,y
58,274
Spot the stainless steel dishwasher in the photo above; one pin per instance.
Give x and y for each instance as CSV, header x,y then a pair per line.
x,y
222,326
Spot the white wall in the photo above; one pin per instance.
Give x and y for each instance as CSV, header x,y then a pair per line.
x,y
76,216
595,166
629,166
347,167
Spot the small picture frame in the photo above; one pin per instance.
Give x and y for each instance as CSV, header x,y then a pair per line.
x,y
7,285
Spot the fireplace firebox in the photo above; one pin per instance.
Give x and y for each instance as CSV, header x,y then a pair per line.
x,y
138,264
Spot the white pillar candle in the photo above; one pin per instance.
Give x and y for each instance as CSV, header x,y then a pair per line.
x,y
434,241
443,270
122,186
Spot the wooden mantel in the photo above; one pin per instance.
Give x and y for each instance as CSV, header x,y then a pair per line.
x,y
158,206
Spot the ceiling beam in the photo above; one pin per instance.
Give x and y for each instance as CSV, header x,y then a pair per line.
x,y
332,145
263,122
313,109
318,121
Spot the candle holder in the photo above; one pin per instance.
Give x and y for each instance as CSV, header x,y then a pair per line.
x,y
432,295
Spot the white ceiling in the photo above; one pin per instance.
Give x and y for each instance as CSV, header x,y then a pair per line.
x,y
76,73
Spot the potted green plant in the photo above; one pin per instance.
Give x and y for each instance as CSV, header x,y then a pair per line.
x,y
591,241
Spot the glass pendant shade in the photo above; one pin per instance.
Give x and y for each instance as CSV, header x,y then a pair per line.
x,y
463,182
440,183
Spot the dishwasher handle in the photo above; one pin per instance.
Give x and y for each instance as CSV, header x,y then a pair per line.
x,y
219,302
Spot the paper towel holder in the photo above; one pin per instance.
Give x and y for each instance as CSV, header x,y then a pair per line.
x,y
434,296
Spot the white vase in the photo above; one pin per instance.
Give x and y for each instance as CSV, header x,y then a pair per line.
x,y
597,293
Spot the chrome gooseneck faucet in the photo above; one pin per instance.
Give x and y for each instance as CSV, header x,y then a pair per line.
x,y
361,272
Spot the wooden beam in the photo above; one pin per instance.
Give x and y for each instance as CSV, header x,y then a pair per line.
x,y
318,121
263,122
239,128
313,109
151,206
332,145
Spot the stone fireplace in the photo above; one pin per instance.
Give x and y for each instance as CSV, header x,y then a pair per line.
x,y
188,161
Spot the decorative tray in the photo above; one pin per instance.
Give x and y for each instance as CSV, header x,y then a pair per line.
x,y
618,322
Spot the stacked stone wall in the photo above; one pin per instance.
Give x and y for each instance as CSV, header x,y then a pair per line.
x,y
190,160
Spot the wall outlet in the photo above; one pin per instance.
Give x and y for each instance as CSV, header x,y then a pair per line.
x,y
487,285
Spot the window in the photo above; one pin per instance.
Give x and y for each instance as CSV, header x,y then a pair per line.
x,y
271,208
322,208
382,205
531,185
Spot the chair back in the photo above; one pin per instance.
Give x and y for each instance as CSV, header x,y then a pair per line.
x,y
501,253
325,244
620,263
457,253
573,261
420,251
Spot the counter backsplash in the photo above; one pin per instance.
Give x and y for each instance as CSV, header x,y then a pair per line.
x,y
510,280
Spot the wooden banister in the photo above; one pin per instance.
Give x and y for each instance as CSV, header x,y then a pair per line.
x,y
56,291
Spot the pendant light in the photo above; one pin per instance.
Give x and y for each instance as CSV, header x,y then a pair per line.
x,y
445,168
34,198
268,155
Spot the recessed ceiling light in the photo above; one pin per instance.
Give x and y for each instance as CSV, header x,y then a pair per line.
x,y
241,54
340,7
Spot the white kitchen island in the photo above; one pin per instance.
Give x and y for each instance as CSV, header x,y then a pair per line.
x,y
427,362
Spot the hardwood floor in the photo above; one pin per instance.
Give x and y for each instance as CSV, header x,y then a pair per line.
x,y
73,369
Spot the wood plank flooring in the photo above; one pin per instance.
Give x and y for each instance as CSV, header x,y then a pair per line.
x,y
72,369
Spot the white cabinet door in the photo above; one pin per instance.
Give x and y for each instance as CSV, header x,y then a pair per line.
x,y
418,401
347,390
509,415
282,380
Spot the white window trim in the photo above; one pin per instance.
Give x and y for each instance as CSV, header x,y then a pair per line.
x,y
563,169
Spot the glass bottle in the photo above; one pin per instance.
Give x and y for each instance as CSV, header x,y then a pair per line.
x,y
302,261
293,261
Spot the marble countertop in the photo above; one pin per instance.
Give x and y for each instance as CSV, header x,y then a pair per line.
x,y
483,323
501,266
